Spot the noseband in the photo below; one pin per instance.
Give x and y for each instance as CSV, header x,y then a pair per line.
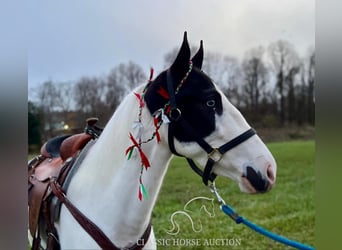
x,y
214,154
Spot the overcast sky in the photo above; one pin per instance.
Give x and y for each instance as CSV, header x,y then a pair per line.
x,y
71,39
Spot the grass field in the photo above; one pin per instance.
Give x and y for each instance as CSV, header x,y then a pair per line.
x,y
287,210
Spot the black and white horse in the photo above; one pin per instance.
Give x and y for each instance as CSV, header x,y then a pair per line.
x,y
180,112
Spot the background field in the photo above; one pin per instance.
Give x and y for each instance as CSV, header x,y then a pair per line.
x,y
287,210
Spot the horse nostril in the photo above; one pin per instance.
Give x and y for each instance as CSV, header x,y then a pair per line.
x,y
257,179
270,174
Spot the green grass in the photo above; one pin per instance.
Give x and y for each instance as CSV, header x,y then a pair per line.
x,y
287,210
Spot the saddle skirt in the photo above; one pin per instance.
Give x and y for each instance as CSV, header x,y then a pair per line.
x,y
55,162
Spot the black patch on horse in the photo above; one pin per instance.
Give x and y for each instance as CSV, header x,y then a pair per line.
x,y
198,100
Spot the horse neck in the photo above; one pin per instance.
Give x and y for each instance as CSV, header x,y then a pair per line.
x,y
113,181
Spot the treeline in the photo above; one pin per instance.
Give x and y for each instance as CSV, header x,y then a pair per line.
x,y
271,86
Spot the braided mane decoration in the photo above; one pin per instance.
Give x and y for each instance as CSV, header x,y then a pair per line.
x,y
159,117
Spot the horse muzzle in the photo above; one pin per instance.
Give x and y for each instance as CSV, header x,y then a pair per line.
x,y
257,181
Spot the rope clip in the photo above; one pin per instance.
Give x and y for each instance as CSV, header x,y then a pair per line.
x,y
214,190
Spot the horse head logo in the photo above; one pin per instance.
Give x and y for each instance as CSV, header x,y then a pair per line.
x,y
207,205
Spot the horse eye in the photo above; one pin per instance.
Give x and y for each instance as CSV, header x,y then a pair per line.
x,y
211,103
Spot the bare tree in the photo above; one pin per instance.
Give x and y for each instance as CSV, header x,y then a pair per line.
x,y
64,96
48,101
283,58
226,73
120,81
291,95
224,70
65,99
301,91
311,87
89,98
255,74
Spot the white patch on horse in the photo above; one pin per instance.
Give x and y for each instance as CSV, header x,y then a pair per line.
x,y
106,184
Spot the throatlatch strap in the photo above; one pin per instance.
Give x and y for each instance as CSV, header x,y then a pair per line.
x,y
207,175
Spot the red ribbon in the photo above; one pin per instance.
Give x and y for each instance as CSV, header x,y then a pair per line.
x,y
144,160
141,102
161,91
140,193
155,121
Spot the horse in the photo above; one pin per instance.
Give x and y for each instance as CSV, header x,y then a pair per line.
x,y
180,112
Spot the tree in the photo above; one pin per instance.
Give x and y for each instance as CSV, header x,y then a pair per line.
x,y
291,95
64,96
311,88
225,72
48,102
89,98
301,91
283,58
120,81
254,74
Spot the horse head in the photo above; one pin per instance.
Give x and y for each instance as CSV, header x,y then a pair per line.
x,y
205,127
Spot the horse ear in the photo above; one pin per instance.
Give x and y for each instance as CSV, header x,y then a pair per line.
x,y
181,64
197,59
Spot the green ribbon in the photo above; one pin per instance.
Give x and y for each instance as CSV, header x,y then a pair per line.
x,y
145,194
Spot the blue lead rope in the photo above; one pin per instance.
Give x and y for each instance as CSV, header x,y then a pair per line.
x,y
239,219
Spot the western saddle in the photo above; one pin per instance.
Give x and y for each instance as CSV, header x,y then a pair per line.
x,y
55,162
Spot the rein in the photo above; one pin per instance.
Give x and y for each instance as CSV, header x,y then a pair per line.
x,y
90,227
228,210
214,154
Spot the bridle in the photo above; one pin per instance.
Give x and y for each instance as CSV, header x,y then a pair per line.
x,y
214,154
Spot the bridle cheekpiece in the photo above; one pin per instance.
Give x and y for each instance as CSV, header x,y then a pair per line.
x,y
214,154
170,114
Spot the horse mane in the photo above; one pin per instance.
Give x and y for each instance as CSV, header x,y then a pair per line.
x,y
118,128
